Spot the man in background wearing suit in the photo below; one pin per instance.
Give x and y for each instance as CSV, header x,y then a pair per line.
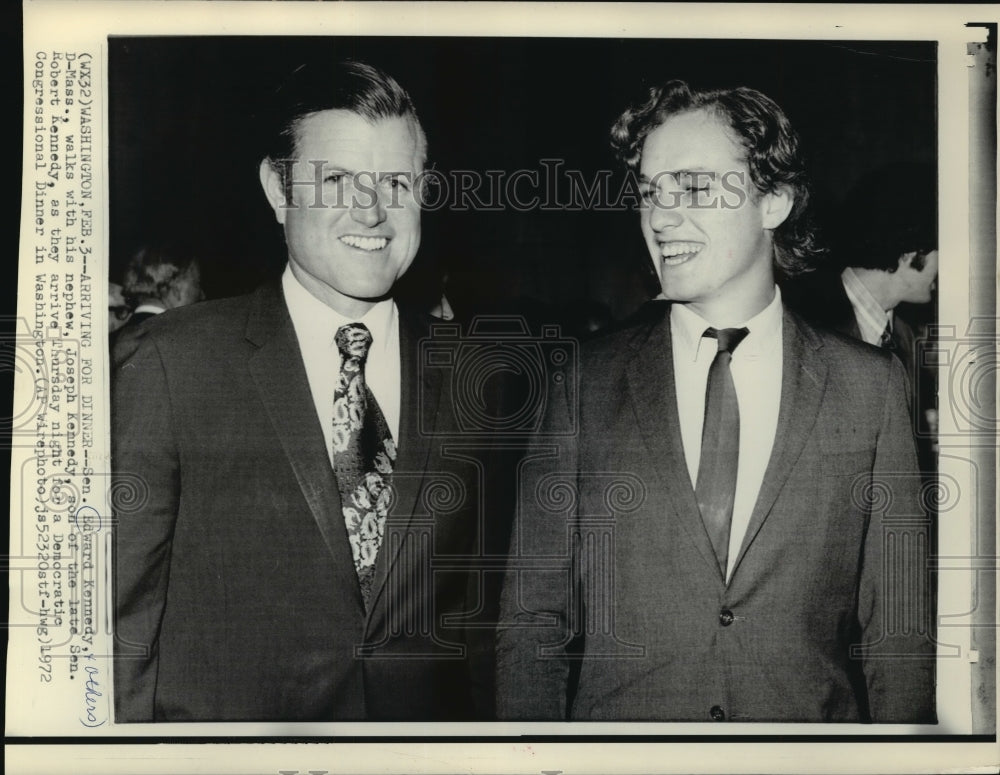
x,y
886,256
158,278
293,496
738,514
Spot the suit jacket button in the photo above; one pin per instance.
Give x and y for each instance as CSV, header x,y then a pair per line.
x,y
726,617
717,713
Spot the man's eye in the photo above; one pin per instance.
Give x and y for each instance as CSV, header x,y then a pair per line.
x,y
398,183
695,189
647,194
334,177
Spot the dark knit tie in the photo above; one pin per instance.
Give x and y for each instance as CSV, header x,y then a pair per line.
x,y
720,445
886,340
363,454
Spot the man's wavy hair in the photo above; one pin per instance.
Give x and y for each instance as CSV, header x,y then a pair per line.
x,y
772,148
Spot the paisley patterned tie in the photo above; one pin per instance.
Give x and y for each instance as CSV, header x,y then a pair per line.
x,y
363,454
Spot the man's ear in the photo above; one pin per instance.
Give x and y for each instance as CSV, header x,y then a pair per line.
x,y
274,189
776,206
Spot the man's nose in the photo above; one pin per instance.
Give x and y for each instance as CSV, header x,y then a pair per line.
x,y
664,214
368,209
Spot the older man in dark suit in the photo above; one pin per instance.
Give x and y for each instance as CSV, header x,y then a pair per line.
x,y
283,557
734,532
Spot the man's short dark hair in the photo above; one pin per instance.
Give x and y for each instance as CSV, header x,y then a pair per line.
x,y
889,212
347,85
153,270
772,147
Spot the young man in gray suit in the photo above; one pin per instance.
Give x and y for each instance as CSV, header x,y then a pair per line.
x,y
734,533
294,497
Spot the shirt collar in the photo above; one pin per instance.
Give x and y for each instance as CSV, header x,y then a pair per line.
x,y
765,330
151,308
318,322
872,318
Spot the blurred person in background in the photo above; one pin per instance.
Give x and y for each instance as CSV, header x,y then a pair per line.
x,y
158,278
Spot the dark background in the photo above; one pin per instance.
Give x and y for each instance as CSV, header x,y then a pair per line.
x,y
184,149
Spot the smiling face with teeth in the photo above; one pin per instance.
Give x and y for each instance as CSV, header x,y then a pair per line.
x,y
706,226
349,246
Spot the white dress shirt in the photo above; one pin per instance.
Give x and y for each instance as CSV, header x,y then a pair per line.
x,y
152,309
316,326
756,369
872,319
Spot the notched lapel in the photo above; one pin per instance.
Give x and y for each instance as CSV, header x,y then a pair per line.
x,y
278,371
803,384
651,386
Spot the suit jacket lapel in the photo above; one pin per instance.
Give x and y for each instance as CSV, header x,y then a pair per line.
x,y
277,369
904,340
803,383
421,395
650,376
